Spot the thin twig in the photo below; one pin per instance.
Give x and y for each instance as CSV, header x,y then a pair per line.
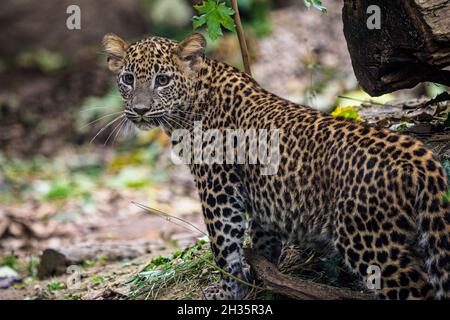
x,y
241,37
168,217
365,101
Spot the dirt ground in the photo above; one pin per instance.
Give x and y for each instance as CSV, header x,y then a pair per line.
x,y
108,219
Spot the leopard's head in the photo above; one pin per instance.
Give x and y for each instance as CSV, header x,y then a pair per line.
x,y
155,76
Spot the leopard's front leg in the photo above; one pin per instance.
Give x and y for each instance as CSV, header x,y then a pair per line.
x,y
224,214
265,240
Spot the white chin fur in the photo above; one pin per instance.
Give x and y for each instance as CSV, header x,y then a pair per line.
x,y
144,126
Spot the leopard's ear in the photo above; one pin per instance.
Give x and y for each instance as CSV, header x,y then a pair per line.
x,y
115,48
190,51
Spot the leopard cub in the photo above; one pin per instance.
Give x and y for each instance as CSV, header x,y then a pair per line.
x,y
375,197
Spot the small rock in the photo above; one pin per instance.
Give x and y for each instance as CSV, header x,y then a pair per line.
x,y
8,277
7,272
54,261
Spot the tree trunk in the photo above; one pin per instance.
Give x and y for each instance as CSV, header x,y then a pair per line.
x,y
411,45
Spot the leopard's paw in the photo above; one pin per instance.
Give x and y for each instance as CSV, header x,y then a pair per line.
x,y
230,291
214,292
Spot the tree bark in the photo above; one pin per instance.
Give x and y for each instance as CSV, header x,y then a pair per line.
x,y
411,46
296,288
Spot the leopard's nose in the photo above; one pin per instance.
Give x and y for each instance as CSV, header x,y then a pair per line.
x,y
141,109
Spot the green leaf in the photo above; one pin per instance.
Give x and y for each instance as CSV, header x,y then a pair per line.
x,y
214,30
197,22
228,23
316,4
215,15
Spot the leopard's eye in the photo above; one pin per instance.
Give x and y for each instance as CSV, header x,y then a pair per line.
x,y
162,80
128,79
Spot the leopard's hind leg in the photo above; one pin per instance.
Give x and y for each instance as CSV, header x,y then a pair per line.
x,y
371,247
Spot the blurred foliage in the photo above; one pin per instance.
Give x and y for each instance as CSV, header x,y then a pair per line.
x,y
9,261
98,108
60,190
56,285
45,60
172,13
169,18
256,16
78,176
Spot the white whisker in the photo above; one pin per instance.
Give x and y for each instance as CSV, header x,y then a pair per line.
x,y
118,131
92,108
114,130
97,120
169,118
106,126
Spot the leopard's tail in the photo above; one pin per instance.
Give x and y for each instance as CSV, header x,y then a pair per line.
x,y
434,237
